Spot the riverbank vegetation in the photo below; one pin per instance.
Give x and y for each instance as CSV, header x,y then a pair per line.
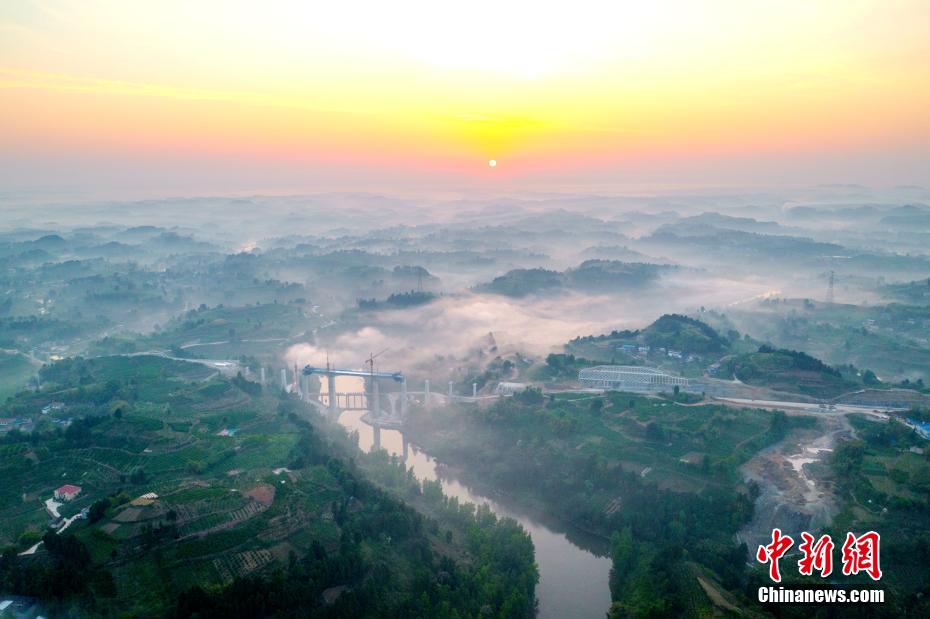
x,y
208,496
659,478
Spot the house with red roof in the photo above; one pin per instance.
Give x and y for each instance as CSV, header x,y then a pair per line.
x,y
67,492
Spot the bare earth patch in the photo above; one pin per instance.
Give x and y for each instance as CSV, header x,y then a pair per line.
x,y
714,594
792,497
130,514
263,493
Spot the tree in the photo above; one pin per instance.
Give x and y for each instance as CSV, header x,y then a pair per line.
x,y
530,396
847,460
98,510
869,378
778,424
623,553
654,431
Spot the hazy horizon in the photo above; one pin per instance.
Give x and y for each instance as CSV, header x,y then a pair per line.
x,y
114,100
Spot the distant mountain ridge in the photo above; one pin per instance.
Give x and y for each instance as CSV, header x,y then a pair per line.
x,y
590,275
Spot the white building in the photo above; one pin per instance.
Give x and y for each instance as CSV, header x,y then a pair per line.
x,y
629,378
509,388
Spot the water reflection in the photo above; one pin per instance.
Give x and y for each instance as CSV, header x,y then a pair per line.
x,y
573,580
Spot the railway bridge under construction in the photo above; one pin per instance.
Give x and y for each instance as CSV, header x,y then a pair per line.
x,y
374,397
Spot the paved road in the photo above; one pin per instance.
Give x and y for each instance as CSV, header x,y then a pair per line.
x,y
223,365
808,408
221,342
67,523
796,408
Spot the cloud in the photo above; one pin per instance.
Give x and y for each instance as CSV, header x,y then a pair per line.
x,y
454,328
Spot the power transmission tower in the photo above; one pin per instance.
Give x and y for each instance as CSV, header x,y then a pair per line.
x,y
830,283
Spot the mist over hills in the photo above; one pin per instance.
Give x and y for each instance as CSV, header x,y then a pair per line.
x,y
179,326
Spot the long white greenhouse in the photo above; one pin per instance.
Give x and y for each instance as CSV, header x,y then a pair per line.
x,y
629,378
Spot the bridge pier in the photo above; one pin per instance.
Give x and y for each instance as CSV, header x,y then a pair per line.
x,y
403,399
331,385
371,395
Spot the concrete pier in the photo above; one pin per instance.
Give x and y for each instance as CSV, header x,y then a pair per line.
x,y
331,385
372,389
403,399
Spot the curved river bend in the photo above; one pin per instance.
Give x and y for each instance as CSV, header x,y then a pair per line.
x,y
573,578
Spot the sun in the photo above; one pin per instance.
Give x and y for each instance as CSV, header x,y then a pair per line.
x,y
492,163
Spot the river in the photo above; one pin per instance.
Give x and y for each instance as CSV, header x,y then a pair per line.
x,y
573,578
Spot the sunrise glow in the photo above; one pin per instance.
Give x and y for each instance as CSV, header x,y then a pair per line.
x,y
414,87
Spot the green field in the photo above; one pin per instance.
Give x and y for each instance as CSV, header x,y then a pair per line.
x,y
789,371
882,480
597,444
15,372
659,477
222,521
890,340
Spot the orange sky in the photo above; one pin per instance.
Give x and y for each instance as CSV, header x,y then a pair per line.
x,y
215,96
